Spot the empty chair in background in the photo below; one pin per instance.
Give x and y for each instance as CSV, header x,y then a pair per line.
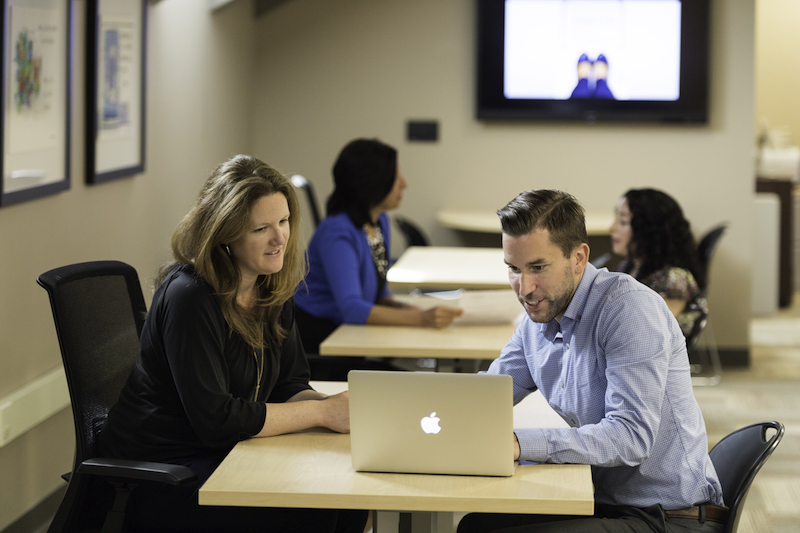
x,y
411,232
707,354
705,251
311,198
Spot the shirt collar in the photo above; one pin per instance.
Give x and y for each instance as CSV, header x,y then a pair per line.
x,y
578,302
575,308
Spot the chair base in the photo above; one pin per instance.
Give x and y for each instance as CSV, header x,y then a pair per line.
x,y
710,358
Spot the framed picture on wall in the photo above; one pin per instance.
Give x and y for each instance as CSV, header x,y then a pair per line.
x,y
115,88
36,64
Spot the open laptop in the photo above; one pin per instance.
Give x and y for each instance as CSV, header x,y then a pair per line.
x,y
431,423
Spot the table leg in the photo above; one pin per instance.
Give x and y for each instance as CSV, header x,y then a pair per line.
x,y
432,522
385,522
416,522
442,522
471,366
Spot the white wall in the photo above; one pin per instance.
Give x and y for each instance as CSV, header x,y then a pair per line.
x,y
200,85
778,82
332,70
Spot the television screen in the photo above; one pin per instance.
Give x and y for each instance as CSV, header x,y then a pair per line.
x,y
593,59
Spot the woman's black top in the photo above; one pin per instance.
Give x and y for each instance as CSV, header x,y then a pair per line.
x,y
190,393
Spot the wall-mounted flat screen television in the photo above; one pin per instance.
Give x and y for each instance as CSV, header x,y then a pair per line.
x,y
593,60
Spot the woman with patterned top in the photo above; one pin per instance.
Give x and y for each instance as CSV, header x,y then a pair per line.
x,y
656,242
349,252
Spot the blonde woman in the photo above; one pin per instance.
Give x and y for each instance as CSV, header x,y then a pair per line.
x,y
221,359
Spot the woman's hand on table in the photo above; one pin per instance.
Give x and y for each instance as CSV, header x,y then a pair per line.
x,y
336,416
440,316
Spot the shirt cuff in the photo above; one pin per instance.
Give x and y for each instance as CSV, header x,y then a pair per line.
x,y
532,445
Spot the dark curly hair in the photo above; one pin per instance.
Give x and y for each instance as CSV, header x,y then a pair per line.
x,y
661,235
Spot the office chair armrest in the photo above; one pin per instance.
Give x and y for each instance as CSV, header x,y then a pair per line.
x,y
124,469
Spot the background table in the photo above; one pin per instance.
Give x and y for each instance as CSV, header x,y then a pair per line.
x,y
470,341
313,469
449,267
486,220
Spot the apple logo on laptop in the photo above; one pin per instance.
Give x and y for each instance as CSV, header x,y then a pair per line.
x,y
430,424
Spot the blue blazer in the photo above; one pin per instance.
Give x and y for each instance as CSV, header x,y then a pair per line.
x,y
342,283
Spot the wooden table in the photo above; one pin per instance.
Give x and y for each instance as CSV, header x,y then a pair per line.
x,y
470,341
449,267
486,220
313,469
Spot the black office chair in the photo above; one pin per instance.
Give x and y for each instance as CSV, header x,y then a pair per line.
x,y
99,311
412,234
301,183
709,354
737,459
705,250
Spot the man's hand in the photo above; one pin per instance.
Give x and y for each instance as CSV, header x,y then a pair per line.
x,y
516,448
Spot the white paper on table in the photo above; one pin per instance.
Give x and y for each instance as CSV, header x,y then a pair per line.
x,y
483,306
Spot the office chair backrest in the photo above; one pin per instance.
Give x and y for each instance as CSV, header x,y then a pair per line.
x,y
301,183
99,313
737,459
412,234
705,250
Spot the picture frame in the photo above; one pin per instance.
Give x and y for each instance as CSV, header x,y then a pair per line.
x,y
115,88
36,99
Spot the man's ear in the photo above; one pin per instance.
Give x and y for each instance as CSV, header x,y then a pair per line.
x,y
581,257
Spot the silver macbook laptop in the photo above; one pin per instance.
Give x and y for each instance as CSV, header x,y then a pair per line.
x,y
431,423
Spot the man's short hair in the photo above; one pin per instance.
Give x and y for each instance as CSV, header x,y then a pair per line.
x,y
556,211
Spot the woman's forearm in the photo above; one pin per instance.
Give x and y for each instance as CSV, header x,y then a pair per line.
x,y
296,414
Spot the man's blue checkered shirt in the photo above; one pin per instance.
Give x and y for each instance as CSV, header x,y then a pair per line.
x,y
617,372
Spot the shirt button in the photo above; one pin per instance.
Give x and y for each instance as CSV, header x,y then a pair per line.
x,y
567,346
562,384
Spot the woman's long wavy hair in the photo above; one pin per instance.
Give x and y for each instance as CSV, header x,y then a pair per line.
x,y
661,235
222,215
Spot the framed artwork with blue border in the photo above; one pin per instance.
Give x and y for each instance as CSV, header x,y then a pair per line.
x,y
36,80
115,88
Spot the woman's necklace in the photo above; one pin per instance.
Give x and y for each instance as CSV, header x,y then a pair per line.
x,y
378,248
259,367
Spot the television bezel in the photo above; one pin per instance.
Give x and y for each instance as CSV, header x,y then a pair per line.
x,y
691,106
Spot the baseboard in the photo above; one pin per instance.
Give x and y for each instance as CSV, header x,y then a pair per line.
x,y
38,519
734,358
728,357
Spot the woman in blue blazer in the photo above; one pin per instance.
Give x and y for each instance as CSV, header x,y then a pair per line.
x,y
349,252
